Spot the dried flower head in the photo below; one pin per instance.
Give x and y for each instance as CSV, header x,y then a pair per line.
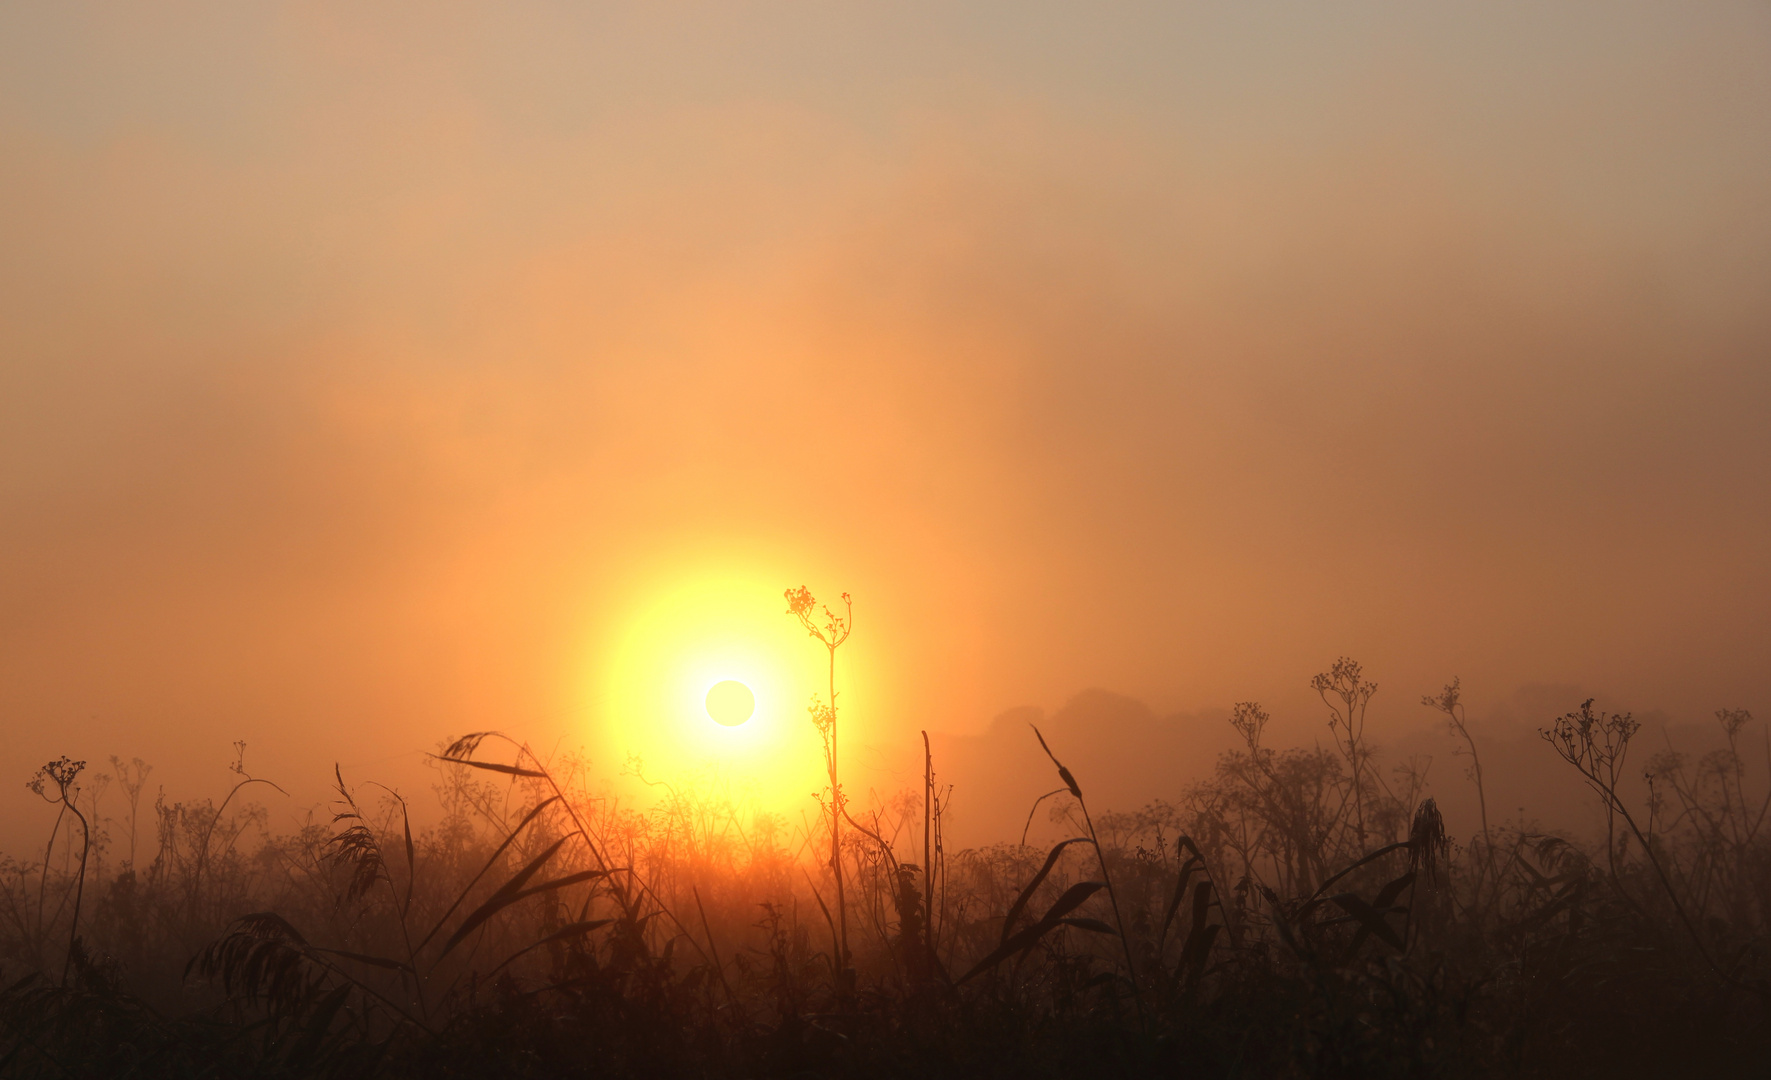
x,y
800,602
1427,843
61,773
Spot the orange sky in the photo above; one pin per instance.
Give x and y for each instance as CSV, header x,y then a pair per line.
x,y
368,378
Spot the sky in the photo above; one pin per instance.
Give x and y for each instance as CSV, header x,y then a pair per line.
x,y
374,374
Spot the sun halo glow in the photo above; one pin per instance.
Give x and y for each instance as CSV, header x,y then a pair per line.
x,y
659,709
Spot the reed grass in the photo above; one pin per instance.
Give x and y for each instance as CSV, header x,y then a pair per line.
x,y
1293,914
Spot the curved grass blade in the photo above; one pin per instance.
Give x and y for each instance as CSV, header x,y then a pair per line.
x,y
1385,898
562,882
1026,939
1200,936
1193,958
1020,904
1283,924
507,894
1316,896
1071,900
492,766
1093,926
514,833
411,859
308,1046
570,930
1188,868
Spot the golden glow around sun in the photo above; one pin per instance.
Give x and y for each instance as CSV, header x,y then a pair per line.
x,y
712,677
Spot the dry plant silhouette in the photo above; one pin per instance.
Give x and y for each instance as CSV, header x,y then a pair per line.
x,y
832,634
1295,913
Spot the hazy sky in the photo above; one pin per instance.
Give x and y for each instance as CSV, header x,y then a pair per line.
x,y
365,370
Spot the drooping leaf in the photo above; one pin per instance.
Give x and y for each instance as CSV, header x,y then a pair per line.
x,y
357,849
465,745
261,956
269,924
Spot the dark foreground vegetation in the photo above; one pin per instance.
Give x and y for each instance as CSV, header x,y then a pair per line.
x,y
1300,914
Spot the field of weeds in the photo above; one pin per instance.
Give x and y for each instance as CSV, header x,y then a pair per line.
x,y
1301,913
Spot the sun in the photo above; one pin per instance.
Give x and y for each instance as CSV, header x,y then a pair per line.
x,y
730,702
709,676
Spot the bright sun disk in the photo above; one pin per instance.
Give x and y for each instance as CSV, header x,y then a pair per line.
x,y
730,702
683,647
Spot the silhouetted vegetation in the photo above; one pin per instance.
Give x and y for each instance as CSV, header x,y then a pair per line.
x,y
1299,913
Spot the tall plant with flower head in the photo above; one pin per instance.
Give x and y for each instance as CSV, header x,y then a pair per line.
x,y
56,784
831,633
